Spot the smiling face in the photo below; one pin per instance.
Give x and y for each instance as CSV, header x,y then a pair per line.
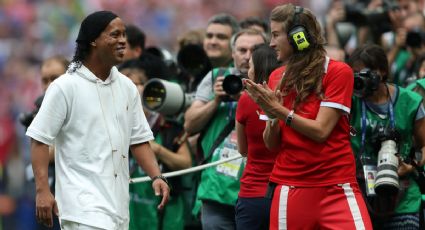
x,y
111,43
217,41
279,41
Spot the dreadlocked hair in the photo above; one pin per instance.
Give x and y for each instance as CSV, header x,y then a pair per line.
x,y
304,70
81,52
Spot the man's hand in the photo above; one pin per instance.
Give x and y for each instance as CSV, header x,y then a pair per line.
x,y
45,206
161,189
218,89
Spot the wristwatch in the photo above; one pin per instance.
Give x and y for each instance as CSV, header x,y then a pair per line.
x,y
289,118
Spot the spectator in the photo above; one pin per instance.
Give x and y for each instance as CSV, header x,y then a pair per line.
x,y
214,116
252,209
92,135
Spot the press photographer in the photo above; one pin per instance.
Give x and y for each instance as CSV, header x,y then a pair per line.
x,y
377,18
51,68
390,122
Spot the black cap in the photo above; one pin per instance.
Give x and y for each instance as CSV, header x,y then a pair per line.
x,y
93,25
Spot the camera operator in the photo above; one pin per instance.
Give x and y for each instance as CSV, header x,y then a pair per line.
x,y
383,108
219,186
143,202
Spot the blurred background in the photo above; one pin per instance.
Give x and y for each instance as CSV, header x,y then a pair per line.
x,y
33,30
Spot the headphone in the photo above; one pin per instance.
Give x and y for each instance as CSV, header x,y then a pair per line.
x,y
298,35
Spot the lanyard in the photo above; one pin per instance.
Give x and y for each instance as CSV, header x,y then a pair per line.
x,y
363,121
230,107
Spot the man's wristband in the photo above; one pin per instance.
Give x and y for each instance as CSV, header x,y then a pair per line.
x,y
160,177
289,118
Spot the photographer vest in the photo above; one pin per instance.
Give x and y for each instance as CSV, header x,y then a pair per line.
x,y
405,104
418,87
144,213
220,183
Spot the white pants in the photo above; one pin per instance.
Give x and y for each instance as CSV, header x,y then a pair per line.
x,y
69,225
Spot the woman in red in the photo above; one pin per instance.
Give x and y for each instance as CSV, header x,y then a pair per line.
x,y
308,104
252,209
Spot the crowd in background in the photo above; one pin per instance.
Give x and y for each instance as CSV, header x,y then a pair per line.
x,y
32,30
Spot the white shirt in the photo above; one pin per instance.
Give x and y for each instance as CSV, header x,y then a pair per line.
x,y
92,123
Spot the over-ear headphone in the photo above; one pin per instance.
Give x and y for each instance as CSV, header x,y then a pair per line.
x,y
298,35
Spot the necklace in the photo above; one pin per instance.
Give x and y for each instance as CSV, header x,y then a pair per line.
x,y
113,150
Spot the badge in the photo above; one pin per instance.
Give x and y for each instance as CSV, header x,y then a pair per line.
x,y
230,168
370,175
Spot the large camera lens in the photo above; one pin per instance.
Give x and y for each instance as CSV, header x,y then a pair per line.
x,y
232,84
386,183
165,97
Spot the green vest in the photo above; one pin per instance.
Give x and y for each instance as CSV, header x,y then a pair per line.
x,y
405,107
215,185
143,206
399,65
418,87
419,82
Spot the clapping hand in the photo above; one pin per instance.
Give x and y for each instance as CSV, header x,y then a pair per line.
x,y
266,98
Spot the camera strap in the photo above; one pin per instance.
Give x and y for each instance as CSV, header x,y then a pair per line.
x,y
223,134
363,122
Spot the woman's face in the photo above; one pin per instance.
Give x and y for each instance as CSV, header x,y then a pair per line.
x,y
251,73
279,41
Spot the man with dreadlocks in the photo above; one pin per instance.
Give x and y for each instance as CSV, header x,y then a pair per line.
x,y
92,115
313,179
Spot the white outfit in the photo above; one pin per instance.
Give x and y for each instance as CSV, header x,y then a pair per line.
x,y
92,123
